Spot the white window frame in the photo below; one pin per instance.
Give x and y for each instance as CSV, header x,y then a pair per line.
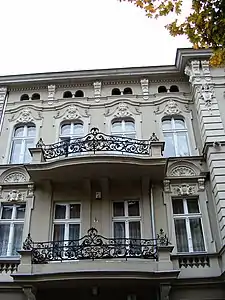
x,y
126,218
174,131
24,138
11,222
123,132
67,221
187,216
71,134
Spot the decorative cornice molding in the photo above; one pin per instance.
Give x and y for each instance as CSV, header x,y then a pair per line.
x,y
28,88
119,82
74,85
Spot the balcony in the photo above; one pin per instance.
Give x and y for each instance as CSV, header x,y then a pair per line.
x,y
99,155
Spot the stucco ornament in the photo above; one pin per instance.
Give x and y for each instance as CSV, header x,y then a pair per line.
x,y
3,91
51,93
15,177
145,88
25,116
14,195
97,90
172,108
122,111
206,93
184,189
182,171
166,186
72,113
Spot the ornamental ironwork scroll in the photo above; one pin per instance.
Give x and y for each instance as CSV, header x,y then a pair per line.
x,y
94,142
93,246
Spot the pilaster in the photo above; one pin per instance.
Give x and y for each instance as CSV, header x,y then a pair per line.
x,y
3,93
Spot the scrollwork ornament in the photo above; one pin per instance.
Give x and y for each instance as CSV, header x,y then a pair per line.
x,y
184,189
14,196
172,108
25,116
182,171
15,177
206,93
72,113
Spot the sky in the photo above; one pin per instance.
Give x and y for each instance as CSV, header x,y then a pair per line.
x,y
53,35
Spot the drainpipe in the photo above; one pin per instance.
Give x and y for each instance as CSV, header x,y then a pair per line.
x,y
151,199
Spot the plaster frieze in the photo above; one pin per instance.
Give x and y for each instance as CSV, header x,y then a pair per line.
x,y
26,115
120,82
72,112
73,85
171,106
122,110
14,196
28,88
184,189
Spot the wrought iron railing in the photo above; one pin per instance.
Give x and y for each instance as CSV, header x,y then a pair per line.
x,y
94,142
94,246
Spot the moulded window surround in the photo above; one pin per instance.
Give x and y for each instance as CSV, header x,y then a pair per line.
x,y
127,91
67,94
175,136
188,225
123,127
66,221
116,92
126,218
24,97
162,89
11,228
23,138
174,89
79,93
35,96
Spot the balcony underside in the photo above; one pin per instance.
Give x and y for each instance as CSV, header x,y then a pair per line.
x,y
96,166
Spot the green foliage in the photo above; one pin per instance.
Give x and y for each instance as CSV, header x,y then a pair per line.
x,y
204,26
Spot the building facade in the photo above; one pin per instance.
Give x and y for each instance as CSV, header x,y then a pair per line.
x,y
112,183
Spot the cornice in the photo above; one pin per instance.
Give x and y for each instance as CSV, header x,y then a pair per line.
x,y
27,88
74,85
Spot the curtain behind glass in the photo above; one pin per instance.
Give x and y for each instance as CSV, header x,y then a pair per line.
x,y
17,238
197,234
4,238
181,235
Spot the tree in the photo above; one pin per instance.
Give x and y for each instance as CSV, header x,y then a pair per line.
x,y
204,26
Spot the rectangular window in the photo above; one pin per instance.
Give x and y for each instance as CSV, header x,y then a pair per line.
x,y
66,223
188,225
126,220
11,228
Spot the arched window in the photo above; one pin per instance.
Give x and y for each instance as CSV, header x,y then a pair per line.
x,y
116,91
176,137
24,97
67,94
127,91
174,89
35,96
162,89
71,130
79,93
23,139
123,127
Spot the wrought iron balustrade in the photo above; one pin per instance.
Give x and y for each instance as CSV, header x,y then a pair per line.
x,y
94,246
94,142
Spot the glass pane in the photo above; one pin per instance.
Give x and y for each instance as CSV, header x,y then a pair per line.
x,y
19,132
4,238
169,145
178,207
60,211
179,124
133,208
78,129
66,129
117,126
17,238
16,152
59,231
131,136
119,230
20,211
192,205
31,132
74,232
166,124
181,235
182,144
118,209
7,212
134,230
27,155
197,234
129,126
74,211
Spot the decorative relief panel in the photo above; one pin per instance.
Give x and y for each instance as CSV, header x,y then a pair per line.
x,y
145,88
15,177
184,189
14,196
51,93
123,110
206,93
182,171
97,90
26,116
72,112
172,107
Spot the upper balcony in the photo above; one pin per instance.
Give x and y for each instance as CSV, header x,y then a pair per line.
x,y
97,155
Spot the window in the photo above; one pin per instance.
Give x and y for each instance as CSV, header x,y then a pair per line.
x,y
11,228
66,224
124,128
67,94
24,97
176,137
71,130
79,93
127,91
188,225
36,96
162,89
174,89
23,139
116,91
126,220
